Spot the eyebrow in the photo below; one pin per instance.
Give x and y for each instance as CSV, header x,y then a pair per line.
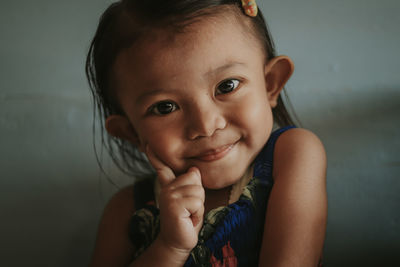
x,y
223,68
148,94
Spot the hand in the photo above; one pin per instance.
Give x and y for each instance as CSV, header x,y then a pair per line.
x,y
181,204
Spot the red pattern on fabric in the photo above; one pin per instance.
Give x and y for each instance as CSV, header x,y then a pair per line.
x,y
228,258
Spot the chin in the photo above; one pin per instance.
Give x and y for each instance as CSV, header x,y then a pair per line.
x,y
218,181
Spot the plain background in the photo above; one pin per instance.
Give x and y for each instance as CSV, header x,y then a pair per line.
x,y
346,88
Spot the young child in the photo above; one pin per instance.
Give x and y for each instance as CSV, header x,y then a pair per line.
x,y
195,86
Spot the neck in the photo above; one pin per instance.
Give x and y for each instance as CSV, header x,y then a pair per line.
x,y
227,195
216,198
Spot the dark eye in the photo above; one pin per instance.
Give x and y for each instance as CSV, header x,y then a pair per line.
x,y
227,86
163,108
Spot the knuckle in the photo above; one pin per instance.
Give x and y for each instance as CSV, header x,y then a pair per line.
x,y
174,196
200,190
198,203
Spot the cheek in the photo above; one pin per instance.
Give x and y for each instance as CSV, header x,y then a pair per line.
x,y
164,140
254,115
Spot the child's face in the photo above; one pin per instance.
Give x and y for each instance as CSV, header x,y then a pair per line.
x,y
199,99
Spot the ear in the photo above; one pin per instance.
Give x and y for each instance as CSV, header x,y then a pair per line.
x,y
277,72
120,127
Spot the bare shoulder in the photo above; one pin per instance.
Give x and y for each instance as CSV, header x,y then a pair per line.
x,y
300,141
295,223
122,200
299,151
113,247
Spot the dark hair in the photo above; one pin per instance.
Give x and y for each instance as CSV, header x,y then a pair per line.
x,y
124,23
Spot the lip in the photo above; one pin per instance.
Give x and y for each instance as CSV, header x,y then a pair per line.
x,y
215,154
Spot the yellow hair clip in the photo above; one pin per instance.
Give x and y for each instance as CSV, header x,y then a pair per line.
x,y
250,7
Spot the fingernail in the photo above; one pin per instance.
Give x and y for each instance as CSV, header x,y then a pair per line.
x,y
196,170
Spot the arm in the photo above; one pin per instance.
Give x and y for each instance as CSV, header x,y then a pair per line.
x,y
295,223
181,217
113,246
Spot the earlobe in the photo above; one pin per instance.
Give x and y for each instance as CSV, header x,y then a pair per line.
x,y
120,127
277,72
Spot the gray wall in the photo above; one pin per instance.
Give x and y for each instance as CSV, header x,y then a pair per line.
x,y
346,88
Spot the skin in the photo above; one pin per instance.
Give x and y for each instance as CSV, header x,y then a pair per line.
x,y
219,117
205,120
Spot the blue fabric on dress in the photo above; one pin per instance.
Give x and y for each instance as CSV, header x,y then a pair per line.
x,y
231,235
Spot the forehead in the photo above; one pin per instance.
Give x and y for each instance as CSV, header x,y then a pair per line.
x,y
203,45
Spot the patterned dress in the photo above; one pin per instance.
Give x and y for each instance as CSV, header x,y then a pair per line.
x,y
231,235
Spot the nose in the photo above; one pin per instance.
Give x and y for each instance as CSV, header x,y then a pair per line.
x,y
204,120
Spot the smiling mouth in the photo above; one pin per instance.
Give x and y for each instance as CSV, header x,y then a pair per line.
x,y
215,154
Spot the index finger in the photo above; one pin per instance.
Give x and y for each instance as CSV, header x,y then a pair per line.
x,y
164,173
